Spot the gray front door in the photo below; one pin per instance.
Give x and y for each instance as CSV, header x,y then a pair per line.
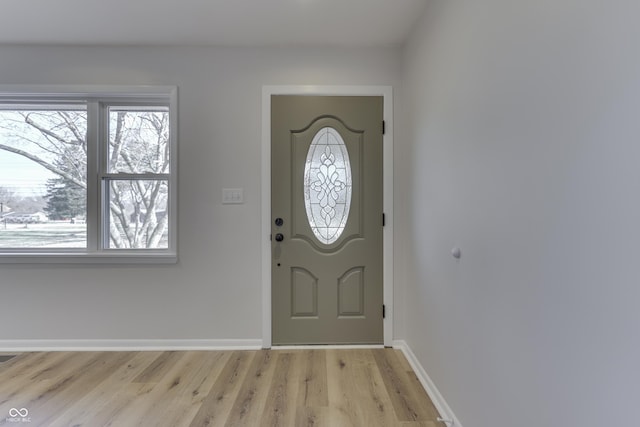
x,y
326,206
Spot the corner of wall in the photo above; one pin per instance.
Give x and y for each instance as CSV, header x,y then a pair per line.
x,y
445,411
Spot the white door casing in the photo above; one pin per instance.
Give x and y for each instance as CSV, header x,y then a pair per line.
x,y
386,93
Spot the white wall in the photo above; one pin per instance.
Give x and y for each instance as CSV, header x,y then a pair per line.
x,y
214,292
523,147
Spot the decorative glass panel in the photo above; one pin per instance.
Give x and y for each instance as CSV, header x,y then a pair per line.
x,y
327,185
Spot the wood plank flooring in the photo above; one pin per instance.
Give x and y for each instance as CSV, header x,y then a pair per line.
x,y
272,388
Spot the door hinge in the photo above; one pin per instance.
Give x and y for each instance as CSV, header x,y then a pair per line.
x,y
384,127
384,311
384,220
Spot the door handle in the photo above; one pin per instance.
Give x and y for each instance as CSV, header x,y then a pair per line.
x,y
279,237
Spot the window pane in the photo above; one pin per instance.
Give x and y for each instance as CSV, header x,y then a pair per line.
x,y
43,176
138,215
138,140
327,185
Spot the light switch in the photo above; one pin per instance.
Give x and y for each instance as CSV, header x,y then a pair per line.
x,y
232,196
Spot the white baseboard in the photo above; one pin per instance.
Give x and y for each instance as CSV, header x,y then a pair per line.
x,y
17,346
326,347
431,389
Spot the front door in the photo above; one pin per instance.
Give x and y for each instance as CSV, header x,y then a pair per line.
x,y
326,206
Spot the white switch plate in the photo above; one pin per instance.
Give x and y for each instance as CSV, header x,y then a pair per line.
x,y
232,196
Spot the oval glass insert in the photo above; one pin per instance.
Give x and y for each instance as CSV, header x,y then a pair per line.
x,y
327,185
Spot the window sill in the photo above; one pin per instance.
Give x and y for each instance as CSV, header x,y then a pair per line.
x,y
129,257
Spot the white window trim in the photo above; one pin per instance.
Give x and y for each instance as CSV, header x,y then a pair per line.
x,y
105,256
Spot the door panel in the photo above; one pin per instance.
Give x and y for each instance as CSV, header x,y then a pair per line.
x,y
327,189
304,293
351,293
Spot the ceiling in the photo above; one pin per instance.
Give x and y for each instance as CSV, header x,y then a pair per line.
x,y
209,22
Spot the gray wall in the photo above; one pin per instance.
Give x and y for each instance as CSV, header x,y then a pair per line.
x,y
214,292
521,146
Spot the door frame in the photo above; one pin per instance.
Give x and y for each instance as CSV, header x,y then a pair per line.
x,y
387,94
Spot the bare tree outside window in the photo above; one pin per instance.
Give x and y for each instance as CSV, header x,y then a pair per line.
x,y
53,139
139,148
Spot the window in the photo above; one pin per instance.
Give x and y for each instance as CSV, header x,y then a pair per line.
x,y
88,175
327,185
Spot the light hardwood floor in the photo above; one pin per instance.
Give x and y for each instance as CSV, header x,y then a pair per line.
x,y
333,387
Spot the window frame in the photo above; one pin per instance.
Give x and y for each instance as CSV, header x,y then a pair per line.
x,y
98,99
